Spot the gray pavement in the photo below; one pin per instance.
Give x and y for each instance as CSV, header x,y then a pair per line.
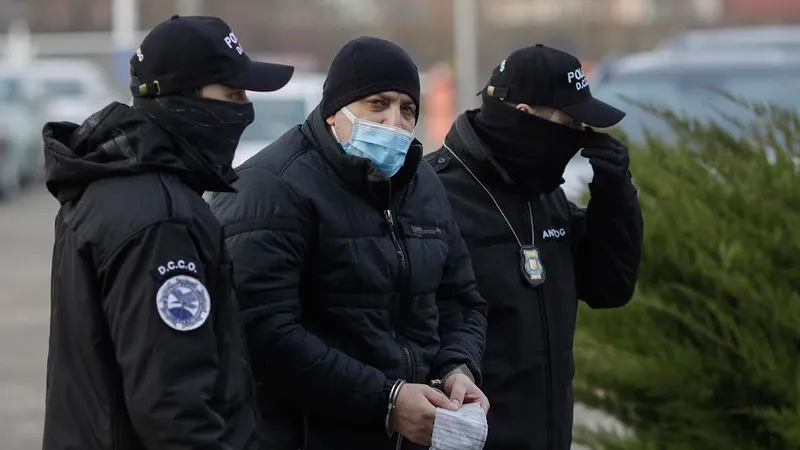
x,y
26,241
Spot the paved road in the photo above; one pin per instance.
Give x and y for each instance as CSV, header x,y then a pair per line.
x,y
26,240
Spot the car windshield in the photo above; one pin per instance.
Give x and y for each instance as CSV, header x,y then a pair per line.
x,y
274,117
696,93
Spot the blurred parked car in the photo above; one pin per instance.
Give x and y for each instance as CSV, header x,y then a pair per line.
x,y
21,120
599,71
786,37
691,84
277,112
75,88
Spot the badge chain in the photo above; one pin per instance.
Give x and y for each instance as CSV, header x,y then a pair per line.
x,y
533,278
530,212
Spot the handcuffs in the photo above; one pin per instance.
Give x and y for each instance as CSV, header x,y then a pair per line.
x,y
395,387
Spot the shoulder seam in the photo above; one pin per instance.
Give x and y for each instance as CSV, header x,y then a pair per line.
x,y
283,168
168,209
279,176
163,204
132,235
280,171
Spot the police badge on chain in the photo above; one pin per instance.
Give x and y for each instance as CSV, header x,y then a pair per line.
x,y
531,265
183,303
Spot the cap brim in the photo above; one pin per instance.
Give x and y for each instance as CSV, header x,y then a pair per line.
x,y
595,113
262,77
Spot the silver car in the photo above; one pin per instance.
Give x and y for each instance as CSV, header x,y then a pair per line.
x,y
691,84
21,120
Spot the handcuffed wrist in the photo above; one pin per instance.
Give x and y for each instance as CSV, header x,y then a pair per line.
x,y
394,390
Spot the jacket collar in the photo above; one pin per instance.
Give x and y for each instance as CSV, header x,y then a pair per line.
x,y
474,153
465,143
359,173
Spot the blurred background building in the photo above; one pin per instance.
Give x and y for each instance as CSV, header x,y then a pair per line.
x,y
316,28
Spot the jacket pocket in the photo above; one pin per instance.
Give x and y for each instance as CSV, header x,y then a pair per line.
x,y
360,325
427,249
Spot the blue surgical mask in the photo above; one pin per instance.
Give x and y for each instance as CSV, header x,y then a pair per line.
x,y
386,146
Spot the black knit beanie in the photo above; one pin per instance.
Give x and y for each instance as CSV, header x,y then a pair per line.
x,y
366,66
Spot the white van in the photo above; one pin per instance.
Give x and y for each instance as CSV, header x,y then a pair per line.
x,y
277,112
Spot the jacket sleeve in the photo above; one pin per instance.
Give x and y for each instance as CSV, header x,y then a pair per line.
x,y
462,310
270,232
168,360
607,246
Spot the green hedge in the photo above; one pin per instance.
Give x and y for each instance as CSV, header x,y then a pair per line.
x,y
707,355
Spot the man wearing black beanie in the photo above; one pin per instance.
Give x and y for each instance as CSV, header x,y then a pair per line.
x,y
536,253
359,300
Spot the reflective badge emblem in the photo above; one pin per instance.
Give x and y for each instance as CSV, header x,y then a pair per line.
x,y
183,303
532,268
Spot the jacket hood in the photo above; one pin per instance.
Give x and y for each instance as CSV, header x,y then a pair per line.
x,y
116,141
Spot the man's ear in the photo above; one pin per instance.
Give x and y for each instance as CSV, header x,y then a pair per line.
x,y
330,120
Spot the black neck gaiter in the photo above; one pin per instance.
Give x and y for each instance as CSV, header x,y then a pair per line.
x,y
532,150
207,131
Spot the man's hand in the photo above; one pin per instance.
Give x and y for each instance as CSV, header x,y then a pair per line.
x,y
462,390
608,156
415,411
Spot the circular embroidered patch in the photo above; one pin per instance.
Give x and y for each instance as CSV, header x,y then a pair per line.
x,y
183,303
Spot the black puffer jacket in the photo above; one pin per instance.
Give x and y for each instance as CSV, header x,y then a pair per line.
x,y
347,281
146,344
590,254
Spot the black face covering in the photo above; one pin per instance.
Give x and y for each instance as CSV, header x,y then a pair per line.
x,y
533,151
206,130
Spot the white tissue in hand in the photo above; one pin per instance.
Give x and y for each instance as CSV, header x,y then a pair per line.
x,y
465,429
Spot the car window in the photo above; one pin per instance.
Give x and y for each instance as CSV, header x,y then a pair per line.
x,y
655,92
63,88
273,117
696,93
11,91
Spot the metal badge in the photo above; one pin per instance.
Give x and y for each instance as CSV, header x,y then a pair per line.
x,y
531,265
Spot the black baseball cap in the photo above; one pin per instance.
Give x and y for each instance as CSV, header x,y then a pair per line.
x,y
544,76
185,53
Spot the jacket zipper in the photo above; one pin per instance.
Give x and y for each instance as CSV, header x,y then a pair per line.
x,y
401,256
548,356
548,380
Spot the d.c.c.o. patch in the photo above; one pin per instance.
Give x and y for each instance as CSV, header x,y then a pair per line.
x,y
183,303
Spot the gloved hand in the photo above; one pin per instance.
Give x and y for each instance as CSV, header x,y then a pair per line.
x,y
609,158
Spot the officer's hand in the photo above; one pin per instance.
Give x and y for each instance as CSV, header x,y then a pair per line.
x,y
462,390
608,156
415,411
